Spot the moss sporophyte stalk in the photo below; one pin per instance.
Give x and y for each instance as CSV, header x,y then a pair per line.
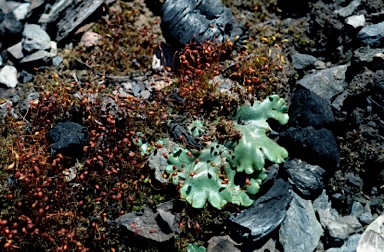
x,y
212,173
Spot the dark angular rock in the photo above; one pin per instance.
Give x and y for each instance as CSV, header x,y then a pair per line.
x,y
309,109
371,58
264,216
317,147
11,30
68,139
184,20
308,179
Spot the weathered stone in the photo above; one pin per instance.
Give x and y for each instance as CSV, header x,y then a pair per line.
x,y
326,83
222,244
300,231
357,209
90,38
372,35
21,11
35,38
308,179
37,59
371,58
348,246
303,61
338,229
16,51
155,225
8,76
264,216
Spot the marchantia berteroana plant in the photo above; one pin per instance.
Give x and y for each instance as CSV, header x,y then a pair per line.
x,y
209,174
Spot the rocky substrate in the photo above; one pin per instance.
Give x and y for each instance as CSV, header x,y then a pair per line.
x,y
329,194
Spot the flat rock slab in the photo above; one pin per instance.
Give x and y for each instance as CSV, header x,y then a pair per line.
x,y
158,225
300,230
326,83
264,216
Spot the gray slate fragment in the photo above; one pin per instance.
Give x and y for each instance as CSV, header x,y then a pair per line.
x,y
8,76
366,218
57,60
372,35
307,178
300,231
322,202
35,38
357,209
222,244
309,109
158,225
142,222
264,216
348,246
372,239
338,229
16,51
303,61
37,59
326,83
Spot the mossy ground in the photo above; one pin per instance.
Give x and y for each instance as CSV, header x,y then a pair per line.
x,y
43,212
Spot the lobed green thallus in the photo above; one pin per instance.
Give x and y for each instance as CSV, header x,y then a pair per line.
x,y
231,172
